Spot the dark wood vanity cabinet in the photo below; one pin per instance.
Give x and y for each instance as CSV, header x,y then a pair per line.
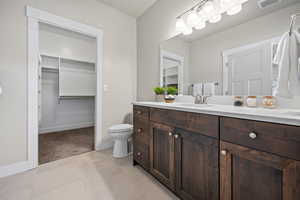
x,y
247,174
183,152
141,137
162,154
197,166
205,157
259,160
185,161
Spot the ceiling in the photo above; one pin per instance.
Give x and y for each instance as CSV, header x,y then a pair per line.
x,y
133,8
249,12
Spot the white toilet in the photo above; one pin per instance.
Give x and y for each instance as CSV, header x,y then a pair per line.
x,y
120,134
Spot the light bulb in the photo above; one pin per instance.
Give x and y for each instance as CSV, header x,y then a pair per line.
x,y
234,9
180,25
200,25
192,19
215,17
202,15
188,31
226,1
225,4
208,7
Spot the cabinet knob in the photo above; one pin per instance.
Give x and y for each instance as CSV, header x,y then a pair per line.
x,y
139,153
224,152
170,134
139,130
252,135
176,136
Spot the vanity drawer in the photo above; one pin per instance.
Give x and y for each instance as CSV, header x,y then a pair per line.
x,y
141,155
141,112
279,139
199,123
168,117
141,131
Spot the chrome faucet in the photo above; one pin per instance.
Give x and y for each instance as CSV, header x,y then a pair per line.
x,y
201,99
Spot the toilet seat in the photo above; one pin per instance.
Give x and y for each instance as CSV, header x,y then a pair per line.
x,y
120,128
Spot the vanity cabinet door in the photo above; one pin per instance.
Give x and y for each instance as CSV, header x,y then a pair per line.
x,y
162,154
197,166
247,174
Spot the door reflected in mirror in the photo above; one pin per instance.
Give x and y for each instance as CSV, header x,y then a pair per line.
x,y
171,70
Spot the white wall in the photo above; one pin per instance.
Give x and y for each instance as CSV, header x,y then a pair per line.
x,y
66,114
119,71
154,27
158,24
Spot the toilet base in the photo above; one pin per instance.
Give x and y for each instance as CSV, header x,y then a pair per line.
x,y
120,148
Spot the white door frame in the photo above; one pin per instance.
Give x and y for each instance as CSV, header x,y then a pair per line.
x,y
228,52
34,17
172,56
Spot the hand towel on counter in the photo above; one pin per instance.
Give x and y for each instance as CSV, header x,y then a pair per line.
x,y
287,59
197,89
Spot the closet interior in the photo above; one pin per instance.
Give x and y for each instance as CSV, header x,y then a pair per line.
x,y
67,90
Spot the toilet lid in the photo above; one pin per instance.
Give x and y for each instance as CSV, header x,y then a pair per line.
x,y
120,128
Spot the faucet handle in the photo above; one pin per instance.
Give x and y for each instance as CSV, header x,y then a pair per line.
x,y
205,98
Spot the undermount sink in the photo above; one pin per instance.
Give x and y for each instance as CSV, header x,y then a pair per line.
x,y
195,105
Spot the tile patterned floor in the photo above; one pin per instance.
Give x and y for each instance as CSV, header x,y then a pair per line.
x,y
59,145
90,176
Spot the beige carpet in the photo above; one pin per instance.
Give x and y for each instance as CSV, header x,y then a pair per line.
x,y
58,145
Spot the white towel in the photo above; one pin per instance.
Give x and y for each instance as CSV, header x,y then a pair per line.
x,y
209,88
197,89
287,59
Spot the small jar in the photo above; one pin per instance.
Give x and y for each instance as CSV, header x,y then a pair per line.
x,y
269,102
238,101
251,101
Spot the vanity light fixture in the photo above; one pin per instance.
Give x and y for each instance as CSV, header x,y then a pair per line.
x,y
188,31
180,25
192,19
206,10
200,25
216,17
234,10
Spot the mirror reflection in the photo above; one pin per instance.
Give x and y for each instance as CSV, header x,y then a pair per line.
x,y
232,57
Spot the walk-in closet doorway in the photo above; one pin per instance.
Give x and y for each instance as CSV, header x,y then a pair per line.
x,y
76,84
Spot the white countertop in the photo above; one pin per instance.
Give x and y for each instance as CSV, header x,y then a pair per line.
x,y
281,116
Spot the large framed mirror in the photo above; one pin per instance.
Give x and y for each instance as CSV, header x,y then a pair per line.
x,y
236,54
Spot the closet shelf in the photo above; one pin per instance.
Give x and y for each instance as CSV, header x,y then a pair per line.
x,y
76,78
171,75
67,58
49,67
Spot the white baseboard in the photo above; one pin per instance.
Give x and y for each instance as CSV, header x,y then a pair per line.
x,y
15,168
106,144
65,127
